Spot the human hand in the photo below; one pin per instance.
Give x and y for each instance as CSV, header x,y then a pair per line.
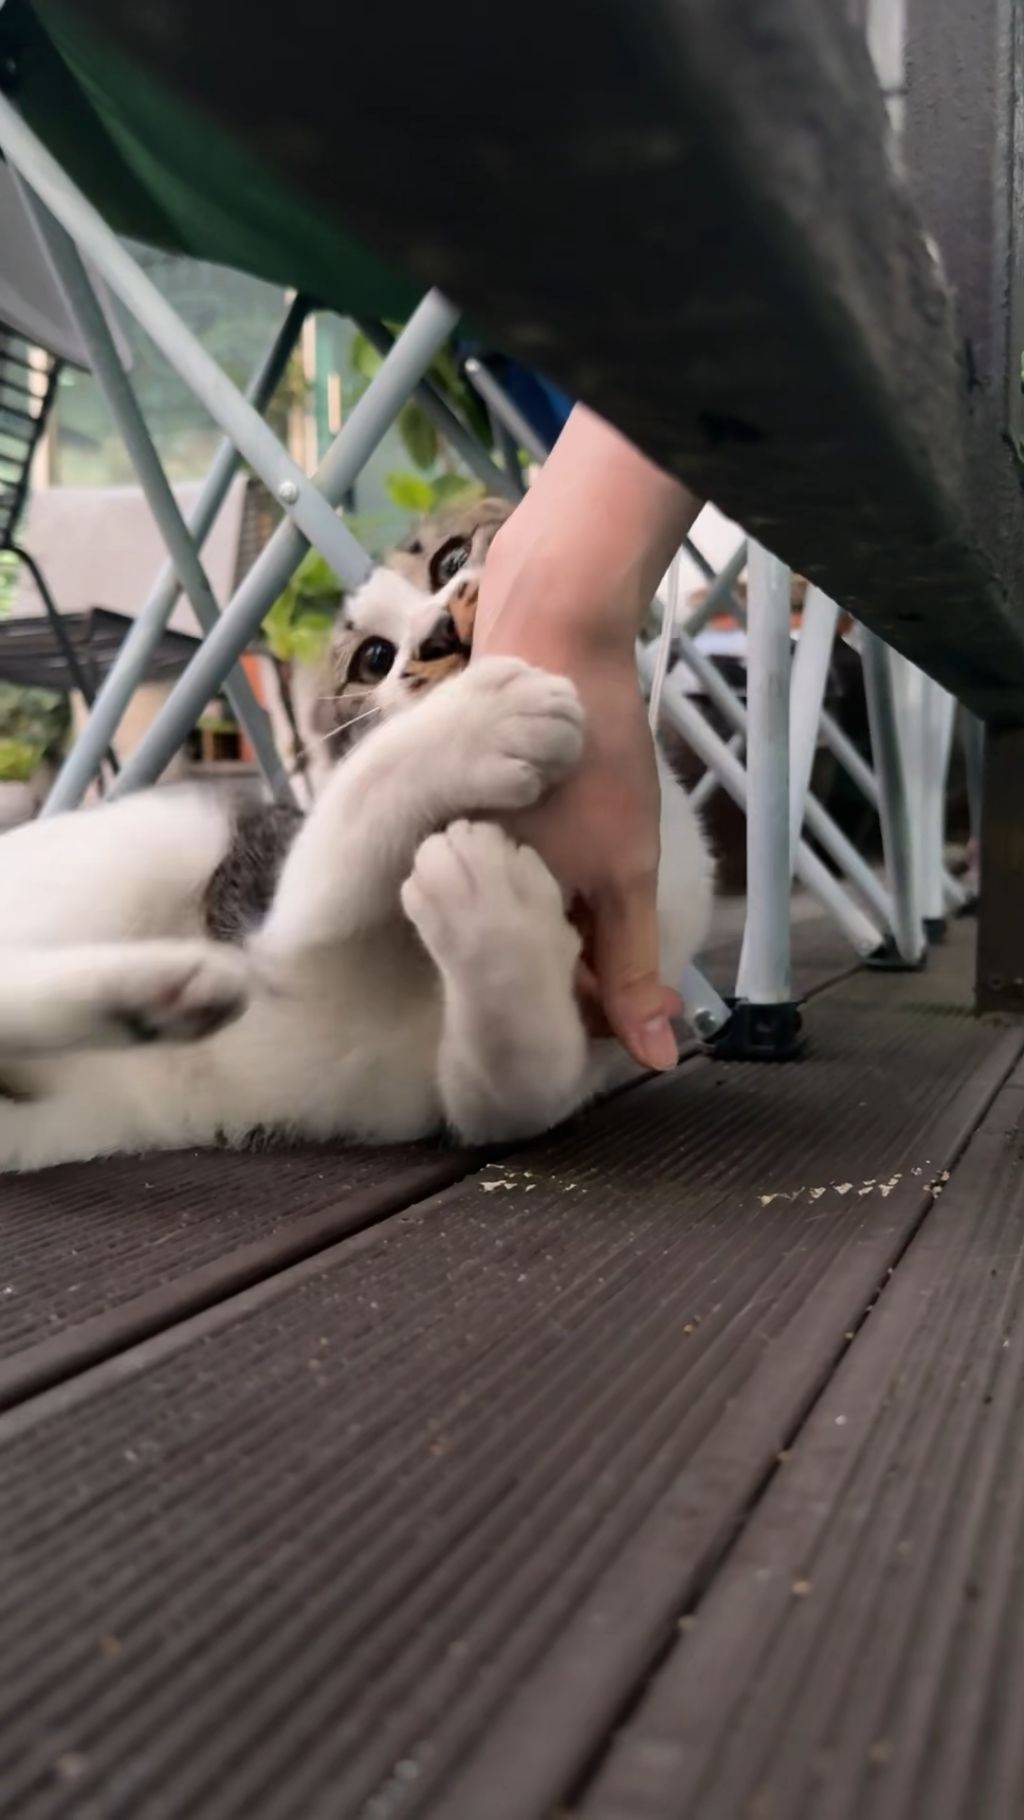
x,y
599,830
566,585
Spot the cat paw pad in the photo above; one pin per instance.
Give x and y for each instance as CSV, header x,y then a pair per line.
x,y
183,998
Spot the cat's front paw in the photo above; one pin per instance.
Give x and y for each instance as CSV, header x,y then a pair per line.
x,y
523,729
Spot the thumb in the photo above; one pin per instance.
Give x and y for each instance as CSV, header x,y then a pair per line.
x,y
626,963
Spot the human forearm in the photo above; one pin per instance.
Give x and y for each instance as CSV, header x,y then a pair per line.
x,y
582,556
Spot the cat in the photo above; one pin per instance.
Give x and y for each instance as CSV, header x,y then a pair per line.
x,y
175,972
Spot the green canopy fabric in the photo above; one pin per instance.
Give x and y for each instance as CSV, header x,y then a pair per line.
x,y
163,173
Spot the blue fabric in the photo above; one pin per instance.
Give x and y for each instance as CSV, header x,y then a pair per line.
x,y
544,405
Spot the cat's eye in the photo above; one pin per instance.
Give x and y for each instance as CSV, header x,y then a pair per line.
x,y
448,560
372,661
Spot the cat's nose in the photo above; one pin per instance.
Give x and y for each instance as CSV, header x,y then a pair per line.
x,y
441,641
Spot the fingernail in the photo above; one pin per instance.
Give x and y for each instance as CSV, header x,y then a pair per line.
x,y
657,1043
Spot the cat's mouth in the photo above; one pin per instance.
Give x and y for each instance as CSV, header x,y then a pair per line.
x,y
443,641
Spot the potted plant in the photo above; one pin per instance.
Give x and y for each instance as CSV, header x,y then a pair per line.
x,y
33,729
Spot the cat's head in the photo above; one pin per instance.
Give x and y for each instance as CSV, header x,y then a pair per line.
x,y
410,626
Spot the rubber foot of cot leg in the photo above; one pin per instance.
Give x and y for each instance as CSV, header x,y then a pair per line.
x,y
759,1033
886,958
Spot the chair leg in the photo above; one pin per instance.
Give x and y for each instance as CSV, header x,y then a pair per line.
x,y
132,660
764,971
692,726
426,331
504,410
124,408
894,808
806,698
939,714
819,823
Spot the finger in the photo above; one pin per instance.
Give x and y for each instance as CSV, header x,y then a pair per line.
x,y
588,996
673,1004
626,962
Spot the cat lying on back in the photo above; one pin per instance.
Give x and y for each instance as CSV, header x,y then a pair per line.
x,y
391,965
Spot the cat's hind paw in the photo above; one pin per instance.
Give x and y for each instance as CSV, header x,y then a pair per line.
x,y
486,906
177,992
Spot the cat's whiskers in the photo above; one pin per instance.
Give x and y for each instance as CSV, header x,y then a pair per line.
x,y
347,725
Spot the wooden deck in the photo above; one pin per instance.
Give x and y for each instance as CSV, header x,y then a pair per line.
x,y
667,1467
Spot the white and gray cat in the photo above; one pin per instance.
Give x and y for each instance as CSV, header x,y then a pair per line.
x,y
175,973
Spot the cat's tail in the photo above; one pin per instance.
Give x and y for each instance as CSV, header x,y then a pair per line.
x,y
117,994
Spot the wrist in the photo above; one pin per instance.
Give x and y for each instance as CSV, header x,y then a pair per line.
x,y
537,606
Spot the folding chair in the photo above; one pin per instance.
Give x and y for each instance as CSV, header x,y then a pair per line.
x,y
38,338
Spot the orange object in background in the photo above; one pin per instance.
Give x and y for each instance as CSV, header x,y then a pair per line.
x,y
254,671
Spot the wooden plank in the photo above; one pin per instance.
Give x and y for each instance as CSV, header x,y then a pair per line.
x,y
859,1654
97,1255
688,214
406,1524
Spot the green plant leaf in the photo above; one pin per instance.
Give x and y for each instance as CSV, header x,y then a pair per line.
x,y
410,492
300,620
18,760
363,357
314,579
310,637
450,487
418,434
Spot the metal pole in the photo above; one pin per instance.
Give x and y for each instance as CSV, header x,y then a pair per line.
x,y
445,420
129,666
810,870
854,763
908,708
704,790
806,696
497,400
898,836
305,504
856,767
710,573
764,975
117,390
427,330
720,594
940,715
706,1011
79,679
817,818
